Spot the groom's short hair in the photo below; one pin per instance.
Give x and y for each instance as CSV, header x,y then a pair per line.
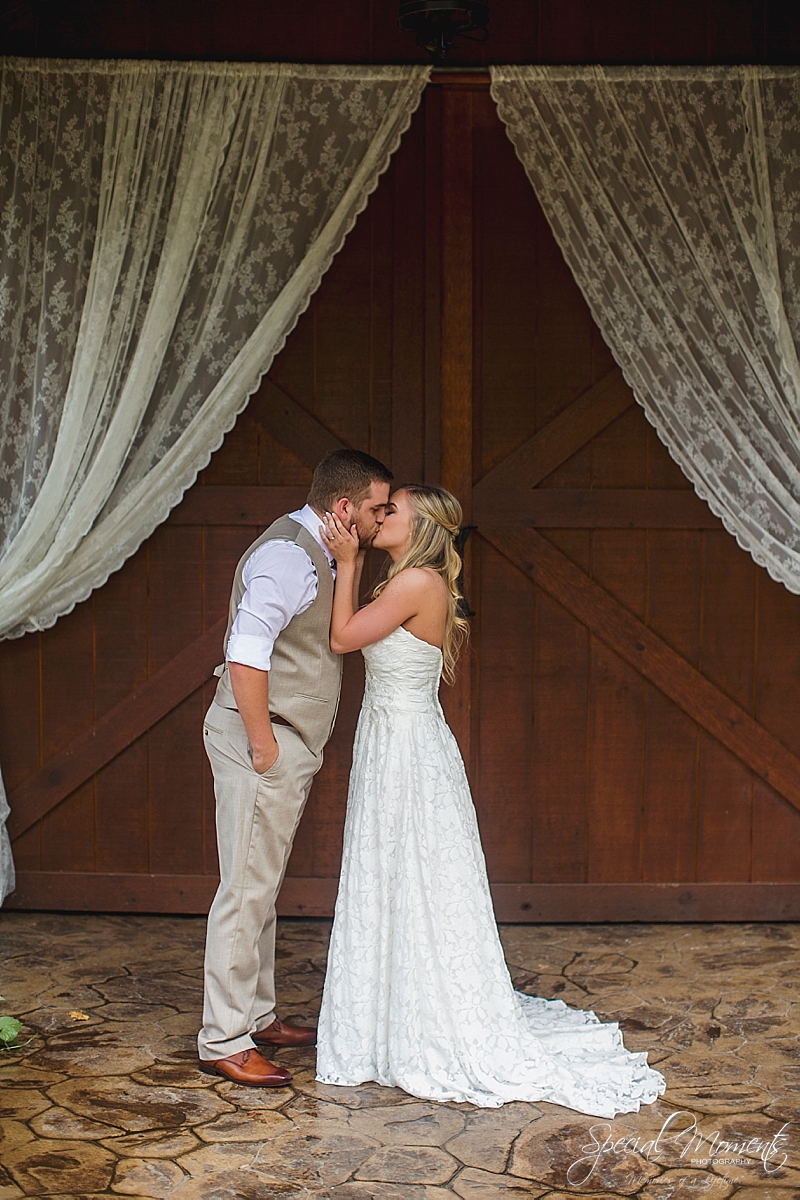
x,y
349,473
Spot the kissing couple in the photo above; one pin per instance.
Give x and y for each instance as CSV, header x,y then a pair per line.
x,y
417,993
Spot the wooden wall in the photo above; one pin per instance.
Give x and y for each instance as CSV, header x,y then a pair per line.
x,y
665,31
629,705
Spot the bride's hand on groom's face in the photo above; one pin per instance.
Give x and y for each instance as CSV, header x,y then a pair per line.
x,y
342,542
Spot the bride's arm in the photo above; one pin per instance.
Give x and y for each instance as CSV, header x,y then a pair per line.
x,y
357,573
352,629
400,600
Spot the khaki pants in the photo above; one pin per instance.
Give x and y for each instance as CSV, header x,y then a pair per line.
x,y
257,817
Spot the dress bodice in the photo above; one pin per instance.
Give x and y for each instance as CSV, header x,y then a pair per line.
x,y
402,672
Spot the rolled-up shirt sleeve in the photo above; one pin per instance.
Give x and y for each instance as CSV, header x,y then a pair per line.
x,y
280,582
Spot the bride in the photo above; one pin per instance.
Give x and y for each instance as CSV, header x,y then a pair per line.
x,y
417,992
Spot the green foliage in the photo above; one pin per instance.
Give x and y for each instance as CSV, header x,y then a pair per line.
x,y
9,1032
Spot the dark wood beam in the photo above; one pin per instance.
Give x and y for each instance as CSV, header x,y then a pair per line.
x,y
583,419
546,508
456,348
596,902
236,505
647,653
291,424
592,508
89,891
86,891
115,730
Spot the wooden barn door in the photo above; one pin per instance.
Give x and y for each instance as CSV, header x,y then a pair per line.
x,y
629,705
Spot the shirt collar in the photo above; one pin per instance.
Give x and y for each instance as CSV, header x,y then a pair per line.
x,y
310,521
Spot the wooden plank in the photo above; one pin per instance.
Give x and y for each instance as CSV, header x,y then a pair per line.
x,y
408,306
456,355
727,658
457,316
776,694
118,728
776,826
90,891
231,505
376,429
562,437
235,463
441,77
669,812
650,655
592,508
507,291
67,709
616,736
662,470
776,836
505,718
617,713
564,331
681,902
432,105
68,833
175,743
725,791
291,424
560,732
223,546
547,508
619,452
19,707
619,566
674,580
318,845
669,817
343,339
121,665
513,902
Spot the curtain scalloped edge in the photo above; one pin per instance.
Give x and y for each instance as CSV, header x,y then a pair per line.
x,y
177,492
509,118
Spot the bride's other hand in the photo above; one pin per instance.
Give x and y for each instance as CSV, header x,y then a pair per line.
x,y
342,542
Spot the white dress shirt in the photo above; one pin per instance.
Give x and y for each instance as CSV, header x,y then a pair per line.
x,y
280,582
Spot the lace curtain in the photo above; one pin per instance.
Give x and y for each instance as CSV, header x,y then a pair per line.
x,y
673,195
162,227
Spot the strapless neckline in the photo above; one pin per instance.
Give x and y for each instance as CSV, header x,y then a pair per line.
x,y
422,642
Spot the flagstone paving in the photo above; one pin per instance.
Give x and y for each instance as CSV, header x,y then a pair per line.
x,y
104,1097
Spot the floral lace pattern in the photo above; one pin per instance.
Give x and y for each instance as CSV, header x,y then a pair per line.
x,y
672,193
162,227
417,993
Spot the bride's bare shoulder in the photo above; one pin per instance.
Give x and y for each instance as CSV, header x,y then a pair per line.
x,y
417,580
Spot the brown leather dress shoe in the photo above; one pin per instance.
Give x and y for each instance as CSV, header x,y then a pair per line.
x,y
247,1067
284,1033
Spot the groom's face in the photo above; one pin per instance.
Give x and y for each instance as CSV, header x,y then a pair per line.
x,y
368,515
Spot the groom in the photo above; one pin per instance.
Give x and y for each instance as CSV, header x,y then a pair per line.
x,y
271,716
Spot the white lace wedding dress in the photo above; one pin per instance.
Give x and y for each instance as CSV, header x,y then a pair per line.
x,y
417,993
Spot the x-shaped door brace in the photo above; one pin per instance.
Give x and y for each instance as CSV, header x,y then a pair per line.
x,y
501,510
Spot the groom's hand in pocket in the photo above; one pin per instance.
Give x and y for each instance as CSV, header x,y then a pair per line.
x,y
264,757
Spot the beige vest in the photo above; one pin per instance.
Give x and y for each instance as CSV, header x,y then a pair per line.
x,y
305,675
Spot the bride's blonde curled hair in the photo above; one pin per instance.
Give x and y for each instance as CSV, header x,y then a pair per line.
x,y
437,520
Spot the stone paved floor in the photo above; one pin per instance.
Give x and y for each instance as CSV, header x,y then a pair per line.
x,y
114,1105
